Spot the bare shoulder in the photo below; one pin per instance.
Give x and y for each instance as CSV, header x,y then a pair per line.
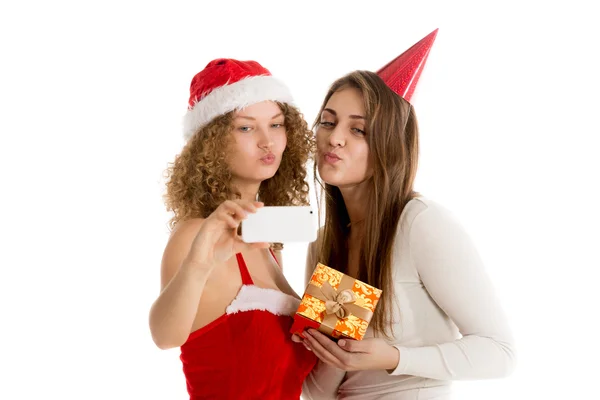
x,y
188,227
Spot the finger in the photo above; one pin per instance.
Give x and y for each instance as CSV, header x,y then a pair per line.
x,y
321,352
297,338
331,346
324,354
251,206
354,346
230,221
234,209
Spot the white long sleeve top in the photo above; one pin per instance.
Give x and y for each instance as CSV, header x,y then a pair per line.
x,y
448,323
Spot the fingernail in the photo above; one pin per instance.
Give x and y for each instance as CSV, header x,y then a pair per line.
x,y
342,343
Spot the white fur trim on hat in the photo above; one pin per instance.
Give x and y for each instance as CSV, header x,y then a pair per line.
x,y
232,97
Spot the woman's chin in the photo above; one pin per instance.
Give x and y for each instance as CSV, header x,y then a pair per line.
x,y
330,176
265,175
340,181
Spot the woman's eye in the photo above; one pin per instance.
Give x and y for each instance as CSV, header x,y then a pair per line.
x,y
244,128
326,124
358,131
276,125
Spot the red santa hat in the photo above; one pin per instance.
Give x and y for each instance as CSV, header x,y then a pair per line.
x,y
226,85
403,72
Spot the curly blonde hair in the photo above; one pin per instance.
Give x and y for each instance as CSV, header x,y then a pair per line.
x,y
199,179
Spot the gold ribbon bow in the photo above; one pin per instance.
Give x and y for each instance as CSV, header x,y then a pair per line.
x,y
334,303
339,304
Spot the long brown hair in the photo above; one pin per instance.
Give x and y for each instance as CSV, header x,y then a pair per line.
x,y
392,136
199,179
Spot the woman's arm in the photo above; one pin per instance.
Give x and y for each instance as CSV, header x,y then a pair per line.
x,y
194,250
455,277
182,284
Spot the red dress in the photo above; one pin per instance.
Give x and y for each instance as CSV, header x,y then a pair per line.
x,y
247,353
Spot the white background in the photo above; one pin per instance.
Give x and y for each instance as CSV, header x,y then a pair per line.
x,y
91,100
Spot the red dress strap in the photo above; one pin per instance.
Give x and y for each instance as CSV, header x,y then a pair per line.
x,y
246,278
274,258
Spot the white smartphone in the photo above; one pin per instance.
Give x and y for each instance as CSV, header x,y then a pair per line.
x,y
280,224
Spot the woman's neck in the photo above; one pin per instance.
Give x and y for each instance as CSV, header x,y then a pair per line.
x,y
248,191
356,200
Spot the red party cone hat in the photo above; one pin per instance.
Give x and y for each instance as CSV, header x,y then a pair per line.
x,y
402,73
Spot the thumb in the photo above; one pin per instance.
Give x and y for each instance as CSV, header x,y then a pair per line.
x,y
353,346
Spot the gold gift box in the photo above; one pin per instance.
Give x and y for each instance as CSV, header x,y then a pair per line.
x,y
336,304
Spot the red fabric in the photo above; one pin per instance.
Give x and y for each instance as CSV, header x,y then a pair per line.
x,y
220,72
301,324
245,355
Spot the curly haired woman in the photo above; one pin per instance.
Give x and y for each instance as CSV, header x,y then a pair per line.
x,y
224,302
